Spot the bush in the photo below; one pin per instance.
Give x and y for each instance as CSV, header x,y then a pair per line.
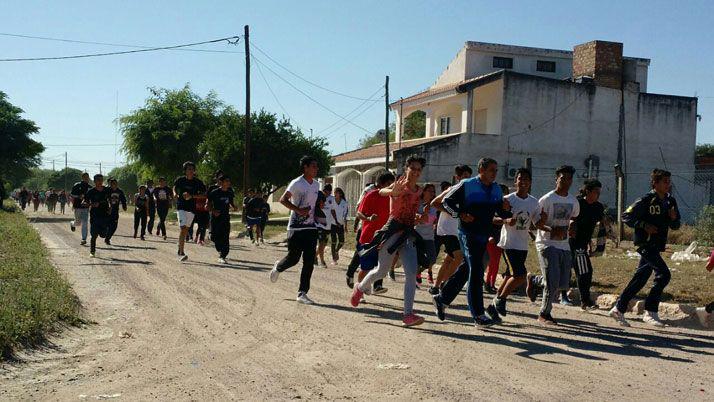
x,y
704,228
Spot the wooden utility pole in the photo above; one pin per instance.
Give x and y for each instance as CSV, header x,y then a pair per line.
x,y
386,122
65,171
620,202
246,156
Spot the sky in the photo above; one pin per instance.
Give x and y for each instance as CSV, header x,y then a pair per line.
x,y
345,47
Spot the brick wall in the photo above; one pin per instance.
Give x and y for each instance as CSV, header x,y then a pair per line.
x,y
600,60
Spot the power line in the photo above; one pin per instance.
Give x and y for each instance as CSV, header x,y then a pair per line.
x,y
260,70
306,80
231,40
78,145
311,98
354,110
111,44
336,130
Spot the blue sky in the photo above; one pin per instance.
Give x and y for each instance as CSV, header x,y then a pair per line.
x,y
345,46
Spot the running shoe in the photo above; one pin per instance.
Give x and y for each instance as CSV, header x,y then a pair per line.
x,y
652,318
222,260
530,288
303,299
412,320
274,273
493,314
378,290
71,226
91,254
500,305
565,300
434,290
392,276
164,237
619,317
83,242
183,257
107,242
439,307
430,278
546,319
483,321
356,296
142,238
350,281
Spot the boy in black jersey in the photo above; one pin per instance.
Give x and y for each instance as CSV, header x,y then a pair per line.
x,y
220,200
141,211
651,216
97,199
116,198
163,196
185,188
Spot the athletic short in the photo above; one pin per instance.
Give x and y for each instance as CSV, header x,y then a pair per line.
x,y
430,251
322,235
451,245
251,221
515,262
369,260
185,218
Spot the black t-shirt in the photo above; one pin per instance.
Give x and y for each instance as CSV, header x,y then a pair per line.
x,y
221,200
140,202
150,197
590,215
101,197
184,185
78,192
116,198
162,195
255,206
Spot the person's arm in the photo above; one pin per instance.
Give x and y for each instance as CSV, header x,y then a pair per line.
x,y
122,200
285,201
453,203
436,202
634,216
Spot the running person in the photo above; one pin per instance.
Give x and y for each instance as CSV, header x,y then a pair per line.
x,y
592,212
652,216
494,252
97,199
141,210
324,224
514,237
340,209
152,206
202,216
475,202
220,200
254,215
301,199
398,236
244,217
558,208
24,197
185,188
162,196
264,217
79,190
62,200
116,198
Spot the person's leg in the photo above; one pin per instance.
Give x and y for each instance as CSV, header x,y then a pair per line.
x,y
453,285
515,261
494,257
308,260
638,281
550,279
383,266
340,241
322,244
137,219
333,242
113,223
473,253
93,239
354,264
409,263
442,274
565,258
294,252
584,272
160,227
84,220
661,279
150,223
143,225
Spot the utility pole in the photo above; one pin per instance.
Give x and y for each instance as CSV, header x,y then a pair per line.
x,y
246,156
620,202
65,171
100,167
401,121
386,122
310,133
53,165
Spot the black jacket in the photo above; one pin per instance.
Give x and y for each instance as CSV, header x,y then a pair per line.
x,y
650,209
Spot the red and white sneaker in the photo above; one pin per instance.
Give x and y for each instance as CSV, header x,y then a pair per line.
x,y
356,296
412,320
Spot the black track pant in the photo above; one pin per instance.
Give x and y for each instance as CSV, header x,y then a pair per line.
x,y
220,229
140,218
161,227
302,243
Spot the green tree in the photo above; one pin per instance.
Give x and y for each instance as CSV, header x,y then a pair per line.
x,y
376,138
58,179
38,179
18,152
127,178
276,148
414,125
705,150
168,130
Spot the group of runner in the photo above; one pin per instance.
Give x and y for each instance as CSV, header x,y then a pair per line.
x,y
38,198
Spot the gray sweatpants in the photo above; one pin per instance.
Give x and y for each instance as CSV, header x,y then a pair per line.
x,y
408,255
555,264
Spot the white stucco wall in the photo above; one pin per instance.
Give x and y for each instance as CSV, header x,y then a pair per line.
x,y
490,98
480,63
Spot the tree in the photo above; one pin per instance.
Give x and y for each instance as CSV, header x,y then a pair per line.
x,y
276,149
168,130
127,178
414,125
38,179
705,150
376,138
57,180
18,152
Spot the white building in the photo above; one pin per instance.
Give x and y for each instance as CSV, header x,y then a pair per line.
x,y
555,107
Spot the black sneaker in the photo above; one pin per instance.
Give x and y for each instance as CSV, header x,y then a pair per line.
x,y
434,291
83,243
439,307
493,314
107,242
378,290
500,305
489,289
530,288
483,321
392,276
350,282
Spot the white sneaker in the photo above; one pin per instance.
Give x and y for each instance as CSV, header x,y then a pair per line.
x,y
274,273
619,317
303,299
222,261
652,318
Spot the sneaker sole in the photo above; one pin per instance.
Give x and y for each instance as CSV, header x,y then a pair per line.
x,y
413,324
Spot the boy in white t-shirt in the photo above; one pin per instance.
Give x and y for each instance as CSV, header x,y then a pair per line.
x,y
557,207
514,237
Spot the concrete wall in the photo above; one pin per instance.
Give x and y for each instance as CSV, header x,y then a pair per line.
x,y
455,71
488,103
556,123
479,63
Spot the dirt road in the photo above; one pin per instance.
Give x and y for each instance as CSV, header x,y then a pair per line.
x,y
201,330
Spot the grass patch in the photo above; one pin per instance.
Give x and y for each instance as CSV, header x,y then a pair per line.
x,y
35,299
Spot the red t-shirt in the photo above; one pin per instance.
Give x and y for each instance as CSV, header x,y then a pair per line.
x,y
373,203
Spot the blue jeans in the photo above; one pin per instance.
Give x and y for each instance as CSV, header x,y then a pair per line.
x,y
471,271
81,217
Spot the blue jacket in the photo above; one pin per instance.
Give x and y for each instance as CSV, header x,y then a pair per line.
x,y
481,201
652,210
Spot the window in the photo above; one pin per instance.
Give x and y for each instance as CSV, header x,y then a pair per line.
x,y
502,62
546,66
444,125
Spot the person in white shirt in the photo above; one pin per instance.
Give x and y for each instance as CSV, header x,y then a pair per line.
x,y
514,237
557,207
324,225
340,209
301,199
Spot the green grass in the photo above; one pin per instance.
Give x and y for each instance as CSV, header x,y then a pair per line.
x,y
35,299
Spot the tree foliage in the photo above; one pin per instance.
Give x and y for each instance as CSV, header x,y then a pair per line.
x,y
127,178
38,179
705,150
414,127
57,179
18,152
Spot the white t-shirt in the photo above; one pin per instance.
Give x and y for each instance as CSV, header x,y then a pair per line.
x,y
526,211
341,211
447,225
327,209
560,210
303,194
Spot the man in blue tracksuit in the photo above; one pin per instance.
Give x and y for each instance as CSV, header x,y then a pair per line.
x,y
475,202
651,216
